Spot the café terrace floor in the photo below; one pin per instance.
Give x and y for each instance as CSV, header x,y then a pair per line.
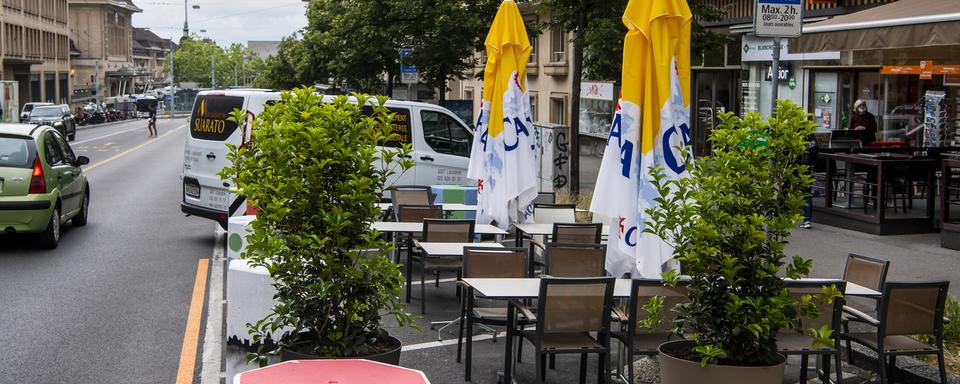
x,y
913,258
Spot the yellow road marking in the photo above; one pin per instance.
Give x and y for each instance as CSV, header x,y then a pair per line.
x,y
191,336
121,154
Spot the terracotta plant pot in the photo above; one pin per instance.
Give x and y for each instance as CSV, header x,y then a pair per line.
x,y
674,370
389,357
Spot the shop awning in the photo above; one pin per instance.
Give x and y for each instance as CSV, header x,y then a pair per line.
x,y
901,24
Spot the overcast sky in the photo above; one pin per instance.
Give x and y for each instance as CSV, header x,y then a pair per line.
x,y
226,21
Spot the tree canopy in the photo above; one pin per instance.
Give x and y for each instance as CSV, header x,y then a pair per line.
x,y
233,65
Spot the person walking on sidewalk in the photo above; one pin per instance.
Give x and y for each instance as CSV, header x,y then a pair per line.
x,y
152,122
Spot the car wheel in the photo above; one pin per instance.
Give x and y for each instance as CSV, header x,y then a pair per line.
x,y
50,238
72,137
81,218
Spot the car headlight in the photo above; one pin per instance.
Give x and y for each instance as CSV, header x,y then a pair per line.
x,y
57,124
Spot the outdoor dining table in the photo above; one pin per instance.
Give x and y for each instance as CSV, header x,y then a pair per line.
x,y
529,288
452,207
342,371
440,249
411,228
544,229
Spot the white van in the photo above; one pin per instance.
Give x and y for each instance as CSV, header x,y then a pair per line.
x,y
441,148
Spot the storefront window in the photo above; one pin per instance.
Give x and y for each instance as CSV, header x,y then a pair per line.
x,y
10,102
825,100
597,105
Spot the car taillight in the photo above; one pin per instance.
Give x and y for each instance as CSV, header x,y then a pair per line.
x,y
38,184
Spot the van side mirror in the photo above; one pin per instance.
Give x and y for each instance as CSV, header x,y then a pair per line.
x,y
82,160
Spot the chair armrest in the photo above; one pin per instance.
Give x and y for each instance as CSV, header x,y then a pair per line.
x,y
860,316
523,310
619,314
538,244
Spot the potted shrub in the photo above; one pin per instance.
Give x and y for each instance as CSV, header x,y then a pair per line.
x,y
729,222
315,172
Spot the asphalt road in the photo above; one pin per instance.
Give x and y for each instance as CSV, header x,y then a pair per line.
x,y
110,305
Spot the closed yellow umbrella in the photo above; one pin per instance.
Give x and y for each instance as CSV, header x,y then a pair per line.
x,y
503,157
652,119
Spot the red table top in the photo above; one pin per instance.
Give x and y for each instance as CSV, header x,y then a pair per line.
x,y
332,372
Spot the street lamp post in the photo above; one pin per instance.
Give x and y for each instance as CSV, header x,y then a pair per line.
x,y
213,77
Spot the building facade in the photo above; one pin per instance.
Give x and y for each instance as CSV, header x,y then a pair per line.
x,y
150,54
34,55
263,48
103,35
549,78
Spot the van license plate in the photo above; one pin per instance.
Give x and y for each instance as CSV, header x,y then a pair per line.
x,y
192,190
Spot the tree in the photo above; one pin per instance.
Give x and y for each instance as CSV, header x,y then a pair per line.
x,y
192,63
445,37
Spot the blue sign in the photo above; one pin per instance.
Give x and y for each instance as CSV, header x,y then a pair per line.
x,y
404,67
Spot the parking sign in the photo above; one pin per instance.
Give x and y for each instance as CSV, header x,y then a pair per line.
x,y
778,18
408,72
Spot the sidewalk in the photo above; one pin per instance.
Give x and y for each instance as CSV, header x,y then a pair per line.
x,y
913,257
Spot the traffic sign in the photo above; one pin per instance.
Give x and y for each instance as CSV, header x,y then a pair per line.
x,y
778,18
408,72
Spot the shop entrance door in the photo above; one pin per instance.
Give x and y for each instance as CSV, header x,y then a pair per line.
x,y
714,92
9,102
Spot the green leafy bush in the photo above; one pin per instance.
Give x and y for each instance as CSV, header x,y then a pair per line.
x,y
951,331
315,171
729,223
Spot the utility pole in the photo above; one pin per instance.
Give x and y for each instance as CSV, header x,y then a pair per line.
x,y
96,82
172,94
775,75
213,78
186,29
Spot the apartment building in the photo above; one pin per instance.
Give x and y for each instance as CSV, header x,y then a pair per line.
x,y
34,56
103,35
549,78
150,54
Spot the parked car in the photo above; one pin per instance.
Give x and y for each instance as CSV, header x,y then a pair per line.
x,y
57,116
27,108
441,147
41,183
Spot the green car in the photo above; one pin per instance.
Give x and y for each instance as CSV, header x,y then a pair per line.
x,y
41,184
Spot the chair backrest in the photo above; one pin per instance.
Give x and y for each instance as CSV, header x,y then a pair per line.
x,y
545,198
574,305
416,213
504,263
866,271
828,313
575,260
913,308
577,233
448,231
410,195
554,213
642,291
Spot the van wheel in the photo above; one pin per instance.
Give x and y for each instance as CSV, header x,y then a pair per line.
x,y
81,218
50,238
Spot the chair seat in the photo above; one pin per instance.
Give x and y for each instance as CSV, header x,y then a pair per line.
x,y
648,342
794,342
891,343
497,314
565,340
440,262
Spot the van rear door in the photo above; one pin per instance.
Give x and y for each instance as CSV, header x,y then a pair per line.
x,y
205,152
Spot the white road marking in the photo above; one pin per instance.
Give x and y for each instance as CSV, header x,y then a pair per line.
x,y
434,344
143,128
